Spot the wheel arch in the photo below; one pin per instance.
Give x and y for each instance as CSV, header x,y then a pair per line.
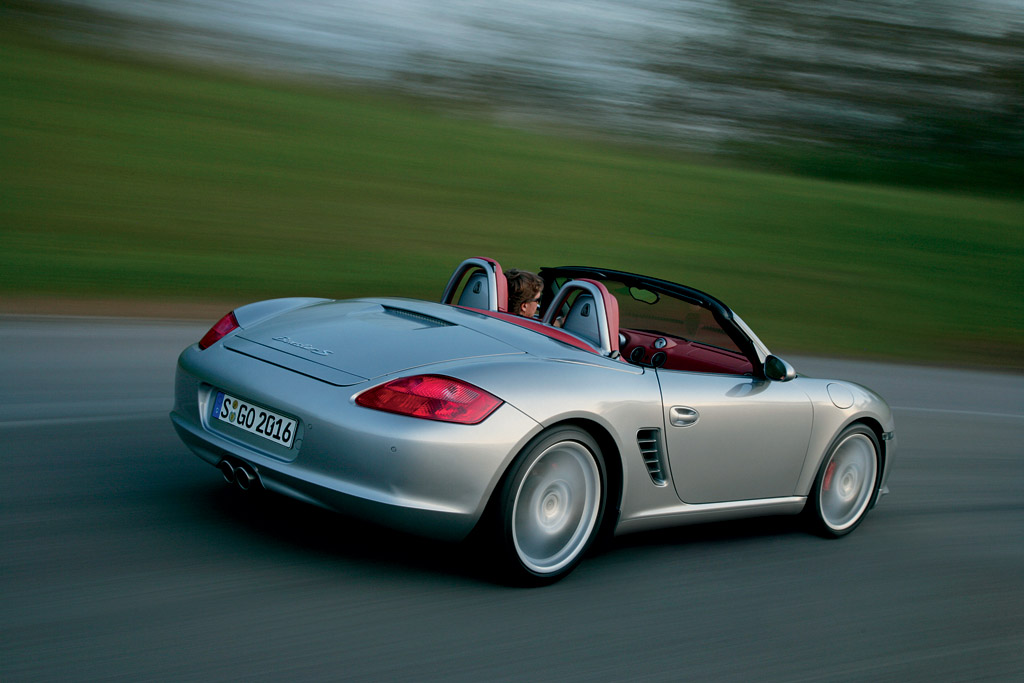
x,y
876,427
613,466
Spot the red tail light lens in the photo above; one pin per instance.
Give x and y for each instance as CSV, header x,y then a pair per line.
x,y
432,397
223,327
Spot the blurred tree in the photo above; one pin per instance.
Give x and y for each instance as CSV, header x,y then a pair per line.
x,y
883,91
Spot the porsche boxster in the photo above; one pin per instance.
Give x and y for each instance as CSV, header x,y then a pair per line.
x,y
632,403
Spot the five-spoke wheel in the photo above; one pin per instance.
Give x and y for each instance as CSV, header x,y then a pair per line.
x,y
846,483
552,505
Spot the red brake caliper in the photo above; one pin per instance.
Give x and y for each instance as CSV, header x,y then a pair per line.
x,y
829,471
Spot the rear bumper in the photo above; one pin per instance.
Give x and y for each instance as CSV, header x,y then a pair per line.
x,y
429,478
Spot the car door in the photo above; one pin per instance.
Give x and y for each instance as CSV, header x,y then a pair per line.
x,y
733,437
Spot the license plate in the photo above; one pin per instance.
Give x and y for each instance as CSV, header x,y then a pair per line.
x,y
254,419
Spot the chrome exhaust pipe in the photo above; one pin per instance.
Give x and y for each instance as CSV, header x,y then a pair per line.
x,y
228,470
244,477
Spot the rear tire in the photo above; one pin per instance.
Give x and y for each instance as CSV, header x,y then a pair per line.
x,y
551,506
847,483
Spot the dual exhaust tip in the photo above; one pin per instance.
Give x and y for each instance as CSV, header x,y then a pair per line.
x,y
242,475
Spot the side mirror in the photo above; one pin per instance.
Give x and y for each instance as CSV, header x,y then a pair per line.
x,y
778,370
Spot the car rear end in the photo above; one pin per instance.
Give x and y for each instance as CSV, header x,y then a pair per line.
x,y
273,410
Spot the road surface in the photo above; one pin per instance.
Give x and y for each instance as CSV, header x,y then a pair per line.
x,y
125,557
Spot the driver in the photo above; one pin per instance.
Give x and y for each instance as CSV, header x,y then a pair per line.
x,y
524,292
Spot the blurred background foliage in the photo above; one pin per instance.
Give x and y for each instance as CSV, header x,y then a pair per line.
x,y
125,174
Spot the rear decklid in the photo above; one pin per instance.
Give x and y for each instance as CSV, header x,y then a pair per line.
x,y
347,342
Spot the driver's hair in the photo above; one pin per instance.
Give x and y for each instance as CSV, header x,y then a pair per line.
x,y
523,286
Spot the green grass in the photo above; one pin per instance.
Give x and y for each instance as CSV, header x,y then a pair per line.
x,y
127,179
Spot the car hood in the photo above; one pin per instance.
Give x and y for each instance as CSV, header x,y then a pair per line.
x,y
347,342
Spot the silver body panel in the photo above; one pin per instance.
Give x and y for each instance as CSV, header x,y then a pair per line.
x,y
754,448
747,439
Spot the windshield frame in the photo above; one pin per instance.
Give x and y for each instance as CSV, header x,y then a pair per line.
x,y
721,313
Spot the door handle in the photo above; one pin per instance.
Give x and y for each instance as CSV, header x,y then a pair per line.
x,y
682,416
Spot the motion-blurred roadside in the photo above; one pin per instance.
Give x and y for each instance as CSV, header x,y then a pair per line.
x,y
922,93
171,156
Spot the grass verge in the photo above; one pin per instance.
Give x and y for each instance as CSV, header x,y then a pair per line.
x,y
128,180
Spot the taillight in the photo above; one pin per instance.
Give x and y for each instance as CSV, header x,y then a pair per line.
x,y
431,397
223,327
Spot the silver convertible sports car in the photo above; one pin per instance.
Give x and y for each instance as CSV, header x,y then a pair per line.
x,y
633,403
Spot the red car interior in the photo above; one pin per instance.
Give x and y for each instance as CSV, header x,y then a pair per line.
x,y
638,347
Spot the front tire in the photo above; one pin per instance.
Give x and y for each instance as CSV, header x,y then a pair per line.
x,y
551,506
847,482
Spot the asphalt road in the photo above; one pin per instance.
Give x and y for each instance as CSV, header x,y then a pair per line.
x,y
122,556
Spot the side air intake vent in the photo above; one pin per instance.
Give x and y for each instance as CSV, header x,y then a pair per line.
x,y
649,441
